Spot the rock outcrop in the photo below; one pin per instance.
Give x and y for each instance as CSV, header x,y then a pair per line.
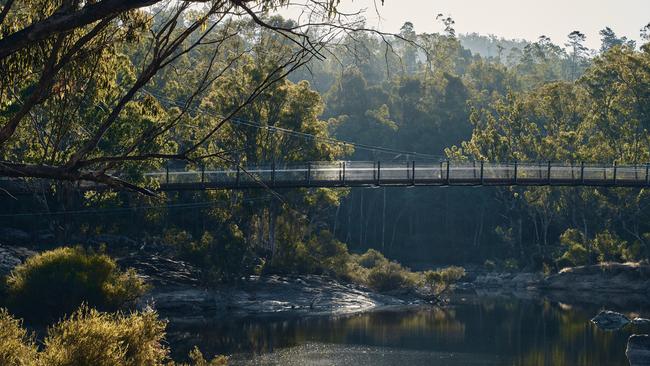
x,y
270,295
11,256
610,320
507,280
638,350
609,277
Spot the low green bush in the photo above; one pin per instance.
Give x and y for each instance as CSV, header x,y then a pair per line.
x,y
372,258
17,348
389,277
441,280
56,282
374,270
89,337
92,338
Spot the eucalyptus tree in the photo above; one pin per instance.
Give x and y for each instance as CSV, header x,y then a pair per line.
x,y
578,53
74,77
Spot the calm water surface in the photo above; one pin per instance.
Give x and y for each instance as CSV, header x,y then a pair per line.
x,y
483,331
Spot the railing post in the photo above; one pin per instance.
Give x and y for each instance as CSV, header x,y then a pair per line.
x,y
340,175
237,176
448,181
548,171
308,178
343,177
202,173
273,173
615,166
378,173
515,172
582,173
413,173
482,164
167,172
647,177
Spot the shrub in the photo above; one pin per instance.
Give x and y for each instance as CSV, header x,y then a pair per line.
x,y
92,338
609,246
198,360
56,282
389,276
372,258
576,254
89,337
16,346
441,280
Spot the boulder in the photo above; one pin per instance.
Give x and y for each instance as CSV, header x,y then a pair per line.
x,y
11,256
610,320
638,350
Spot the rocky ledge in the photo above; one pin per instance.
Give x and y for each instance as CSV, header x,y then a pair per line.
x,y
11,256
268,295
608,277
638,350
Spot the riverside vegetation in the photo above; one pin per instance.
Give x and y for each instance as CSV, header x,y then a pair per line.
x,y
71,283
181,86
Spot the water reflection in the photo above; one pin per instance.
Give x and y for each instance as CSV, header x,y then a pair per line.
x,y
493,331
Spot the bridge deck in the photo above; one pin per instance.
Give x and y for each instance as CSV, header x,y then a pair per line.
x,y
364,174
369,174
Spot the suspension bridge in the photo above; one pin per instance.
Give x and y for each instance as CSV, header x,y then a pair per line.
x,y
430,171
382,174
402,174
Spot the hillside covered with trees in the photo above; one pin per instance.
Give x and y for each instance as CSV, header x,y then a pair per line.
x,y
105,92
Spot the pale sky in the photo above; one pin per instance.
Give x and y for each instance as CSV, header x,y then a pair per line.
x,y
527,19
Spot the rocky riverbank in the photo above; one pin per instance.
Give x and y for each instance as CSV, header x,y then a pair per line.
x,y
618,285
177,293
177,289
268,295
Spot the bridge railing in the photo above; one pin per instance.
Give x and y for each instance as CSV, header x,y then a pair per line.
x,y
342,173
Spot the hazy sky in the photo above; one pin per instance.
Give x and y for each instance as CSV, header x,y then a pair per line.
x,y
526,19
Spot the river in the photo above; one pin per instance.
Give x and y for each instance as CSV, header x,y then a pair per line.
x,y
472,331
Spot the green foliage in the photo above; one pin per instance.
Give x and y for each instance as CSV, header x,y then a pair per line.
x,y
56,282
609,246
92,338
17,348
388,277
576,254
442,279
198,359
89,337
372,258
374,270
320,254
222,257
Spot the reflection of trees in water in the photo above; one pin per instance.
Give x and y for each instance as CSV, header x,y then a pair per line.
x,y
526,332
